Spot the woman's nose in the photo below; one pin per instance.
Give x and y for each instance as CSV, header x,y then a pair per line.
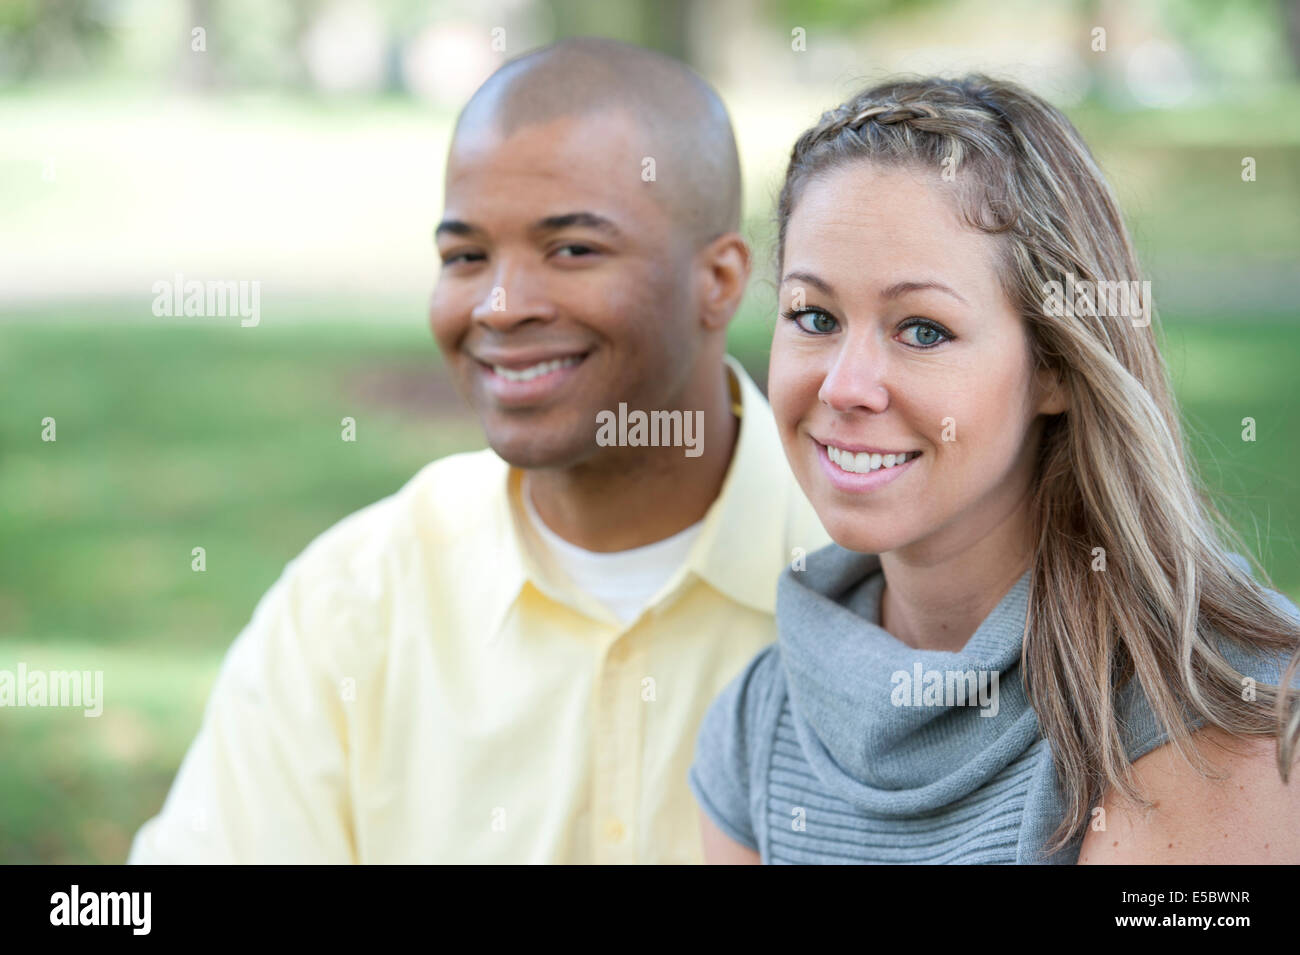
x,y
857,378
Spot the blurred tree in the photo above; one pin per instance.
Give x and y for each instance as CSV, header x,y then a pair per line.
x,y
197,71
51,36
839,12
1291,21
1229,38
662,25
1105,82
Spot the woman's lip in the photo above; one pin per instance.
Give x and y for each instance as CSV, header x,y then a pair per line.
x,y
860,483
863,449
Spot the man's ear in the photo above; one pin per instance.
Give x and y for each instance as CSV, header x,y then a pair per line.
x,y
724,274
1053,396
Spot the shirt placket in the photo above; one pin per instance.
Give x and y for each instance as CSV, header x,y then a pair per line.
x,y
619,726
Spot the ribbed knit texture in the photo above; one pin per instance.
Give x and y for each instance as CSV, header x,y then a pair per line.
x,y
809,756
981,827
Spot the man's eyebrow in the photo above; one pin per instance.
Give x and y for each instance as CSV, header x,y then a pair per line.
x,y
455,227
568,220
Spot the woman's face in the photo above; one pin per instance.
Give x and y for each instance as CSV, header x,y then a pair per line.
x,y
897,338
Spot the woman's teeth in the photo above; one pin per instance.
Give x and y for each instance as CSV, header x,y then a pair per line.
x,y
542,368
864,462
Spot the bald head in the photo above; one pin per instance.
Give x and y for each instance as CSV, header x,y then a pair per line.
x,y
681,123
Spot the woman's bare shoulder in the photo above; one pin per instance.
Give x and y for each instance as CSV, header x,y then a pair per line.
x,y
1242,814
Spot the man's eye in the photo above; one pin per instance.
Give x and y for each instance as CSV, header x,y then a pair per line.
x,y
574,250
812,321
463,257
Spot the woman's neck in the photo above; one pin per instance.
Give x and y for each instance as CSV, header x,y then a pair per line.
x,y
936,597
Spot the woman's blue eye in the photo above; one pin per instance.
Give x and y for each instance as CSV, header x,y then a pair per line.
x,y
816,322
928,334
822,324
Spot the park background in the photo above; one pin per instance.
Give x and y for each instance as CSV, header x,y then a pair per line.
x,y
302,147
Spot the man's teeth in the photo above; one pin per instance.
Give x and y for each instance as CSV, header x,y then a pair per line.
x,y
543,368
863,462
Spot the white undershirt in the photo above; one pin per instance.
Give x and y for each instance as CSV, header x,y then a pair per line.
x,y
625,580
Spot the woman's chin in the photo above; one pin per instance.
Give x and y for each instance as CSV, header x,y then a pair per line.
x,y
852,536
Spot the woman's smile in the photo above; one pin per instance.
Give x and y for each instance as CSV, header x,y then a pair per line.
x,y
862,471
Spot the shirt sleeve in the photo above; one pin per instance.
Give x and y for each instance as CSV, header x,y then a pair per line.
x,y
725,747
265,780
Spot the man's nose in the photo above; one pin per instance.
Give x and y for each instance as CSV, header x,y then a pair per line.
x,y
517,295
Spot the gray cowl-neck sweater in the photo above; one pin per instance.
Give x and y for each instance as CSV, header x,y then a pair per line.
x,y
840,744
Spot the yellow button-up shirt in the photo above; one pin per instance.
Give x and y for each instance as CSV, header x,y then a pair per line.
x,y
420,685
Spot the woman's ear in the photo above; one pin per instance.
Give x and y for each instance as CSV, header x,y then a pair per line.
x,y
1053,396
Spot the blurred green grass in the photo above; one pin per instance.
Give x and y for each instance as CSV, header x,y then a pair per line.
x,y
175,435
171,437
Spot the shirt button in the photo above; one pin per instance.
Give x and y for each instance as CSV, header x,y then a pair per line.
x,y
614,830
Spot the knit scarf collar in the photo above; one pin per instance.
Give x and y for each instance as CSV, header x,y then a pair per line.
x,y
873,735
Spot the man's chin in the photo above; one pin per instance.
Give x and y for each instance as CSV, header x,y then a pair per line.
x,y
535,451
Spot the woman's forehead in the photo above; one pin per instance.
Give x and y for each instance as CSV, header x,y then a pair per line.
x,y
870,222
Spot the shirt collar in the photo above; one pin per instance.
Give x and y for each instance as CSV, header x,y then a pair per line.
x,y
503,553
739,551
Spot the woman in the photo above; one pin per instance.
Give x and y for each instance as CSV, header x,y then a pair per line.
x,y
1028,642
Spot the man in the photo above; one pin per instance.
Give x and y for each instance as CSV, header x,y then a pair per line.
x,y
508,659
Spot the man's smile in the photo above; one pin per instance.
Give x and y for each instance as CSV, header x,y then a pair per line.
x,y
527,377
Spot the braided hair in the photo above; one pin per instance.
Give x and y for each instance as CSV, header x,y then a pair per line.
x,y
943,124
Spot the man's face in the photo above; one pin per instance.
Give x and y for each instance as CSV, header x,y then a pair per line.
x,y
565,285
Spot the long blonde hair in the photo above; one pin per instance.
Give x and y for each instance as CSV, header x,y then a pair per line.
x,y
1113,472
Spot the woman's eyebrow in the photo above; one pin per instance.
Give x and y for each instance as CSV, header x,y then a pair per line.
x,y
902,288
807,277
893,291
